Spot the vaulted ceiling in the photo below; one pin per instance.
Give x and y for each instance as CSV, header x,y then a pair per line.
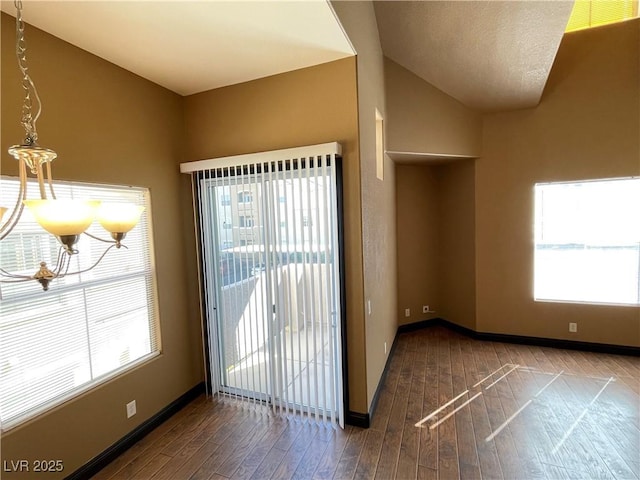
x,y
489,55
194,46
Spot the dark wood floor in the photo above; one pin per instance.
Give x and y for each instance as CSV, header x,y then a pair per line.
x,y
520,412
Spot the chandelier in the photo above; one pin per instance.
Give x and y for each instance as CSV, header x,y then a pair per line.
x,y
64,219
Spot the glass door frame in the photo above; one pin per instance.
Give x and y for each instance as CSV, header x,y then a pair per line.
x,y
211,337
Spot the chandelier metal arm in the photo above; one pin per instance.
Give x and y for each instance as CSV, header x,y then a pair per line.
x,y
65,263
61,270
19,207
92,266
50,180
19,278
39,175
100,239
61,254
42,273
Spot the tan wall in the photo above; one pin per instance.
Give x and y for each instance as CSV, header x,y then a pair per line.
x,y
435,202
421,118
378,196
436,242
456,240
304,107
108,126
586,126
418,253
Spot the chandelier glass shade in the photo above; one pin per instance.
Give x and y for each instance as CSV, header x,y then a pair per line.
x,y
66,219
119,217
63,217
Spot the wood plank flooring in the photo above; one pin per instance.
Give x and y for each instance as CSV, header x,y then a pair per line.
x,y
519,412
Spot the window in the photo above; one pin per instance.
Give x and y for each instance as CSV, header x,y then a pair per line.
x,y
587,241
227,225
225,199
87,327
593,13
246,221
245,197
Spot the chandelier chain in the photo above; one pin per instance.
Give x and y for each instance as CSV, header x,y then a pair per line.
x,y
28,119
64,221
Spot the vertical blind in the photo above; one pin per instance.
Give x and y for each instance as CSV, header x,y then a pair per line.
x,y
270,267
87,327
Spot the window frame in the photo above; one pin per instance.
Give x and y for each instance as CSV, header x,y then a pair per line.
x,y
585,239
148,273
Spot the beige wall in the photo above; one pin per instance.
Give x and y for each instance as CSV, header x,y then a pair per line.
x,y
423,119
435,201
436,241
111,126
108,126
481,258
378,196
457,246
586,126
304,107
418,224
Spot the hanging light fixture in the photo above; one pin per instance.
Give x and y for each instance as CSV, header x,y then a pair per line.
x,y
64,219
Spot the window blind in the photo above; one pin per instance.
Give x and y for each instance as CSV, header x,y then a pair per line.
x,y
87,327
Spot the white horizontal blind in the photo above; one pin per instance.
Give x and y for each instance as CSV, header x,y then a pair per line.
x,y
587,241
271,270
87,327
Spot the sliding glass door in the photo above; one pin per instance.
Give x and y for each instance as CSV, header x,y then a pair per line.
x,y
271,270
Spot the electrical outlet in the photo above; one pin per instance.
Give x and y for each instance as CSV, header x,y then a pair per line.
x,y
131,409
425,309
573,327
407,312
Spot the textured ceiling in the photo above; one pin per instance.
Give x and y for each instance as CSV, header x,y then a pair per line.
x,y
489,55
190,47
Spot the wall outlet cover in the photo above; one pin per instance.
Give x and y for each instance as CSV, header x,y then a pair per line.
x,y
131,409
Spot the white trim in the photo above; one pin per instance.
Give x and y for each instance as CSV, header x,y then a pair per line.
x,y
586,302
430,155
568,182
332,148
